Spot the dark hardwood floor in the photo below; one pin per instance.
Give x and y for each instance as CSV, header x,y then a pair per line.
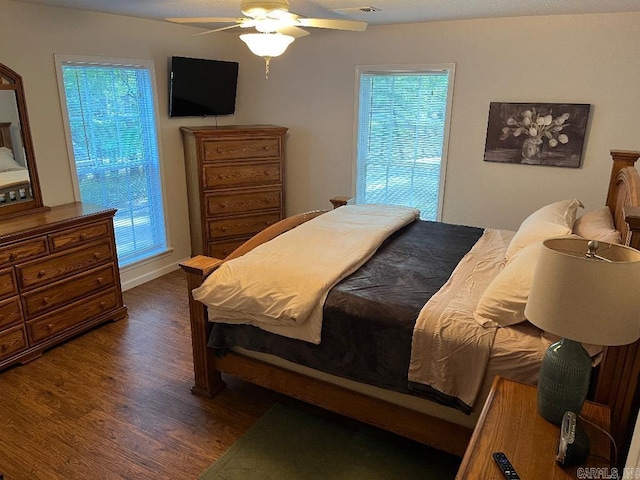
x,y
115,403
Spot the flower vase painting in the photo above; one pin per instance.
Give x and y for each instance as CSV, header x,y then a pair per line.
x,y
536,133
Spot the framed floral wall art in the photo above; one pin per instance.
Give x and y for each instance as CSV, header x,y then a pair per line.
x,y
536,133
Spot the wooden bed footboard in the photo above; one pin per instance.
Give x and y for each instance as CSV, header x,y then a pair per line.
x,y
208,380
617,384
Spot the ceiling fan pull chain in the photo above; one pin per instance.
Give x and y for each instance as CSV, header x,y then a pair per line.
x,y
266,67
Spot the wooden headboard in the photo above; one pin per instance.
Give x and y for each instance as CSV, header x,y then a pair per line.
x,y
5,135
618,377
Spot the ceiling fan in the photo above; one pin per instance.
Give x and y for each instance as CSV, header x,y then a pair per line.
x,y
278,26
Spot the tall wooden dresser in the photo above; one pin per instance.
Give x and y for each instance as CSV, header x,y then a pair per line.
x,y
58,277
235,182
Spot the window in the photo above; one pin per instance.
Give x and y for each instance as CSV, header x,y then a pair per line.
x,y
402,130
111,132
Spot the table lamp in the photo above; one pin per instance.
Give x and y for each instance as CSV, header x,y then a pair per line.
x,y
585,292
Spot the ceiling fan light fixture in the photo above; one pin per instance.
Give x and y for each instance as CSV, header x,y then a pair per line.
x,y
267,44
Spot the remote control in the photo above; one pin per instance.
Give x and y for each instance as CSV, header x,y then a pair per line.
x,y
505,465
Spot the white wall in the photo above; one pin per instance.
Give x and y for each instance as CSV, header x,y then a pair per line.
x,y
574,59
570,59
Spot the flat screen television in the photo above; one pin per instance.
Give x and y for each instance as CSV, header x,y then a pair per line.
x,y
199,87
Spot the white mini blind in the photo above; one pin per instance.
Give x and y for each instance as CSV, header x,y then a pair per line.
x,y
402,117
112,127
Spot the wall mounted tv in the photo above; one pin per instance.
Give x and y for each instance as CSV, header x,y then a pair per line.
x,y
199,87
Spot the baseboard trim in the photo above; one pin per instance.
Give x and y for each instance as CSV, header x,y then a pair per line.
x,y
147,277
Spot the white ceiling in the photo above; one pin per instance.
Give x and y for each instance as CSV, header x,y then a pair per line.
x,y
390,11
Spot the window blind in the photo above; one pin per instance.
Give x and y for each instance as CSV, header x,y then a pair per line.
x,y
401,127
112,127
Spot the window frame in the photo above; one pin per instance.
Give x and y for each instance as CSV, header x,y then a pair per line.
x,y
147,64
450,68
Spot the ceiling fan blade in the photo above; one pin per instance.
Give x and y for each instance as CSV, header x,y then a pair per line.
x,y
295,32
333,24
218,29
205,20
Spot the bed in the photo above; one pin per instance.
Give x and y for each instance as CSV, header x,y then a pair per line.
x,y
439,421
15,184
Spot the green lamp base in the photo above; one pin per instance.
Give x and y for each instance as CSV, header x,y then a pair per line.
x,y
564,380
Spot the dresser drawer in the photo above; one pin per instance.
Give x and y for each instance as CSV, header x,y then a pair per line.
x,y
229,149
8,284
23,251
241,226
12,341
241,175
59,266
224,248
41,300
225,203
10,312
66,318
75,236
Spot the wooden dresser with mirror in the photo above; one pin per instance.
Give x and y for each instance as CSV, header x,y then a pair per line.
x,y
58,265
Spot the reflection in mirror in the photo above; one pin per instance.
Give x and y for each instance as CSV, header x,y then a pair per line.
x,y
15,185
19,187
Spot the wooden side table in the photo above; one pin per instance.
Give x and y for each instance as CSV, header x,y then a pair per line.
x,y
510,423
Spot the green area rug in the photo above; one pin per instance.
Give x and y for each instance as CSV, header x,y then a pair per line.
x,y
290,444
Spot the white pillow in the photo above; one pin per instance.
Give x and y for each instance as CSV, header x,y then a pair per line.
x,y
6,159
554,220
597,225
502,303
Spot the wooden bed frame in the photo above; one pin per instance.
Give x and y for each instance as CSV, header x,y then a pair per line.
x,y
617,379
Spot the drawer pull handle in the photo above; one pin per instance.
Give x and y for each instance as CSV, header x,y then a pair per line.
x,y
103,304
100,280
265,148
96,255
51,326
45,300
13,256
3,347
83,236
223,229
42,273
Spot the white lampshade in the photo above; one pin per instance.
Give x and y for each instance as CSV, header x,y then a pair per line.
x,y
587,300
267,44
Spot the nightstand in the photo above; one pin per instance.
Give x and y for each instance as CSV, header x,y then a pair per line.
x,y
510,423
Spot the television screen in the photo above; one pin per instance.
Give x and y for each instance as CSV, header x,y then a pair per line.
x,y
199,87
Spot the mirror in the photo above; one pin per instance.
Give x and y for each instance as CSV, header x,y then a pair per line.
x,y
19,185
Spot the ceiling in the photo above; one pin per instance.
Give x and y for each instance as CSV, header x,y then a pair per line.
x,y
389,11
